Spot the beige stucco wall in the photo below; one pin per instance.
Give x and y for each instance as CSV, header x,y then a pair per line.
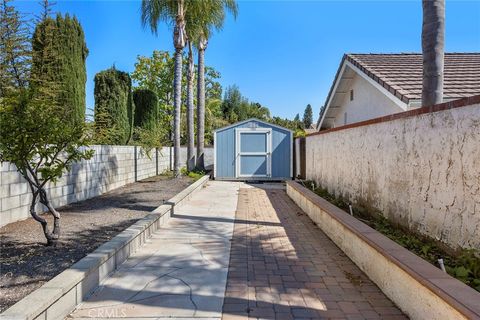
x,y
368,103
421,171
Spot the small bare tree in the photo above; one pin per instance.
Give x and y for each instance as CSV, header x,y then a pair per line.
x,y
35,137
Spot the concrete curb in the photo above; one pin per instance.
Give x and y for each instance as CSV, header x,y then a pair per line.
x,y
418,288
59,296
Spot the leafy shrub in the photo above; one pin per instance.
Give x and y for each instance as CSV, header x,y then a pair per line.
x,y
195,174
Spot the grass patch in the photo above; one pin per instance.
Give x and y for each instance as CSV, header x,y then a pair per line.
x,y
464,265
194,174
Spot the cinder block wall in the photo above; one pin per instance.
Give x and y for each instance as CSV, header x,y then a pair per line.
x,y
421,168
111,167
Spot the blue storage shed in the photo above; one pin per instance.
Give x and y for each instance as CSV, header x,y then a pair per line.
x,y
253,150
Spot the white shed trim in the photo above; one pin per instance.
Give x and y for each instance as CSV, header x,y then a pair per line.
x,y
238,132
249,120
214,154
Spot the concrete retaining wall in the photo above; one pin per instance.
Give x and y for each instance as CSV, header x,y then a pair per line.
x,y
418,288
59,296
111,167
420,168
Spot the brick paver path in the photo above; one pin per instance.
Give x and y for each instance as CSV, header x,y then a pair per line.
x,y
283,267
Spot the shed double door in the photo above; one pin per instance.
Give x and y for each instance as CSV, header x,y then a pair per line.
x,y
253,152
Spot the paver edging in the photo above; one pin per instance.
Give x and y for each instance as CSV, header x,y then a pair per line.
x,y
384,261
59,296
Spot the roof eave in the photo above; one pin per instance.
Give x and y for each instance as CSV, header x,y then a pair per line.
x,y
341,69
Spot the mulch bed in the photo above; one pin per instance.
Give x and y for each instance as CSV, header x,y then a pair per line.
x,y
26,263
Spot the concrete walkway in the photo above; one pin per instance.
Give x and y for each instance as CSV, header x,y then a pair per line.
x,y
182,270
235,251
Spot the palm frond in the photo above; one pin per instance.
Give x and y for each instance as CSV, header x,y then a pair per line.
x,y
155,11
206,16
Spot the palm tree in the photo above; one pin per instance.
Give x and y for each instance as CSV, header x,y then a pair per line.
x,y
213,17
190,110
433,43
173,12
193,28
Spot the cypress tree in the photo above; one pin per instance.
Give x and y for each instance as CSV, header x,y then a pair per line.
x,y
146,109
59,52
308,117
113,106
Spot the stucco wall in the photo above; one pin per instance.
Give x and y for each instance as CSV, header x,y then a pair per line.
x,y
111,167
368,103
421,171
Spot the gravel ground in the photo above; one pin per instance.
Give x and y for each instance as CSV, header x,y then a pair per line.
x,y
26,263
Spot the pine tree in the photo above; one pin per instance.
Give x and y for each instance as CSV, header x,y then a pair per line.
x,y
14,49
46,11
308,117
59,54
297,122
113,106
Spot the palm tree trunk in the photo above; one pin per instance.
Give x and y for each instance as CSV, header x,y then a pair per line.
x,y
190,111
179,38
177,104
201,106
433,43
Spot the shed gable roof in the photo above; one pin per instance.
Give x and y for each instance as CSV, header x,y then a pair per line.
x,y
249,120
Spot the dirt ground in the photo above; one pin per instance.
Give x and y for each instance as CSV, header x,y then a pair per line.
x,y
26,263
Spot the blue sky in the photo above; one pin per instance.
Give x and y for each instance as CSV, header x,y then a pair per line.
x,y
283,54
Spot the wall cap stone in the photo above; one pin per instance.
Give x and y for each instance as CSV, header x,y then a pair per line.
x,y
463,102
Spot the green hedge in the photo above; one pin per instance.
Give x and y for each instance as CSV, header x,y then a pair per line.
x,y
146,109
113,106
58,72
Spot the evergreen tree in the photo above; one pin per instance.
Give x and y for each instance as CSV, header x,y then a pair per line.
x,y
308,116
298,123
14,49
146,109
59,52
113,107
46,11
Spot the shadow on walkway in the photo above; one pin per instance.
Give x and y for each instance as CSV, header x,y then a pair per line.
x,y
217,219
282,266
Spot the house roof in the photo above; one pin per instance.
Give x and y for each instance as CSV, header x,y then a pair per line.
x,y
401,74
